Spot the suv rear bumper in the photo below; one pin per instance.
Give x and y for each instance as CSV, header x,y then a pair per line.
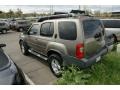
x,y
83,63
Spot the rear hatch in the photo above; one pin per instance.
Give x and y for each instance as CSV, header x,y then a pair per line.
x,y
94,37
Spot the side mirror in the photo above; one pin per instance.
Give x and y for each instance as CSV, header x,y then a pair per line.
x,y
2,45
25,32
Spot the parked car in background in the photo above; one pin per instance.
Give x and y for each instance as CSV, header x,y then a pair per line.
x,y
10,73
4,27
20,25
112,28
32,19
64,40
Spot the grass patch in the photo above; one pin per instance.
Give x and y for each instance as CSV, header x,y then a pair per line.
x,y
72,76
107,71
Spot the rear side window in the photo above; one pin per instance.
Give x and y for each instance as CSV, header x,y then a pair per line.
x,y
47,29
111,23
67,30
92,27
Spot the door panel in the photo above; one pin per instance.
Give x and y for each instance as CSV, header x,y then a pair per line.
x,y
42,43
32,36
46,36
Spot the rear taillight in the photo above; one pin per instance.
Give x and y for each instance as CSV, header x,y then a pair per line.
x,y
80,50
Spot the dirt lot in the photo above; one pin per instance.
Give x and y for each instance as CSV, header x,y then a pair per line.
x,y
35,68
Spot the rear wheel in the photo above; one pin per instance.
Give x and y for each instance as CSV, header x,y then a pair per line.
x,y
20,29
4,31
55,64
24,48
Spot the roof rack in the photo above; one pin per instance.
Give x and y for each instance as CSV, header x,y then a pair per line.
x,y
55,17
58,15
81,12
78,12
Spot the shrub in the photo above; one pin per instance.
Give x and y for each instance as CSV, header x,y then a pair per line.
x,y
107,71
73,76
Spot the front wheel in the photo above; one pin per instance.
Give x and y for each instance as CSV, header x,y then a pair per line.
x,y
55,63
24,48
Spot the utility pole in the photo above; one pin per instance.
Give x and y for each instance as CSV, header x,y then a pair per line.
x,y
82,7
79,7
51,9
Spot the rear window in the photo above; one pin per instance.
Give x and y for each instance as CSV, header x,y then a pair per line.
x,y
111,23
67,30
22,22
91,27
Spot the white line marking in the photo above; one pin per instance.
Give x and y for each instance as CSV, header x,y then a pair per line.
x,y
30,82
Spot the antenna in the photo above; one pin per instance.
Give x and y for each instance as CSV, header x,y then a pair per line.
x,y
79,7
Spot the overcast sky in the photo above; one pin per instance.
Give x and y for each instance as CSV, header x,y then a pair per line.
x,y
66,8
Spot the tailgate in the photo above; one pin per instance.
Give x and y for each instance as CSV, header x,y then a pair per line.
x,y
94,37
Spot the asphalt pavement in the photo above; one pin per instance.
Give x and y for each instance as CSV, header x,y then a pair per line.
x,y
36,69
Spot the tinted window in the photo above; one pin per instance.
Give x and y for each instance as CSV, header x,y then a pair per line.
x,y
34,29
2,24
22,22
92,27
67,30
47,29
111,23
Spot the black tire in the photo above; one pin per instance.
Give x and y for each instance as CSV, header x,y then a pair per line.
x,y
115,38
4,31
20,29
55,58
24,48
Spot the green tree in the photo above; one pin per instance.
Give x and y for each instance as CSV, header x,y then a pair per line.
x,y
10,13
34,14
97,13
18,13
1,12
